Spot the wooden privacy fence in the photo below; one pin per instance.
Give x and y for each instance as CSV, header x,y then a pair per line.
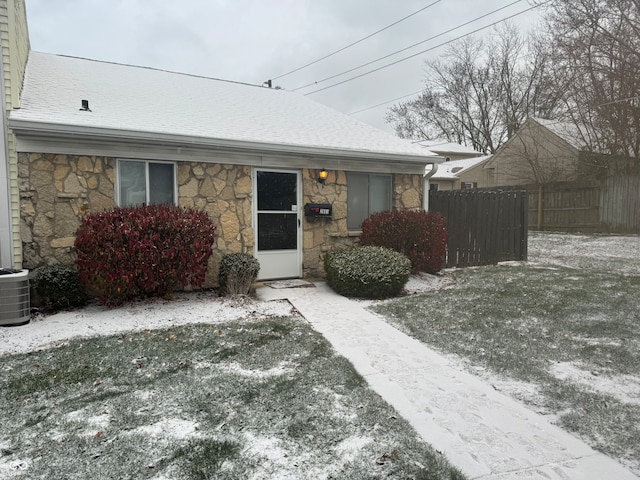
x,y
485,227
612,205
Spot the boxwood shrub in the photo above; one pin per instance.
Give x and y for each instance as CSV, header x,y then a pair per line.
x,y
420,235
366,271
57,287
144,251
238,273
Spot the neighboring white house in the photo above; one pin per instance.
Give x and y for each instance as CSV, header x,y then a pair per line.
x,y
449,150
461,174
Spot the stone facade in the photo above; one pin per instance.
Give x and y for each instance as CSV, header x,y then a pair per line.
x,y
322,234
224,192
57,190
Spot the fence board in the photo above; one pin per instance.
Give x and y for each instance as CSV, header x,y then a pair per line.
x,y
484,227
612,205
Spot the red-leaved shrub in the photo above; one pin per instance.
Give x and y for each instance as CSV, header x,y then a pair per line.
x,y
143,251
421,236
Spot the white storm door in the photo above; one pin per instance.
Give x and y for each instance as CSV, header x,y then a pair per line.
x,y
276,207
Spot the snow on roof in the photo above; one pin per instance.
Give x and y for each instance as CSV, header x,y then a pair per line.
x,y
565,130
442,146
453,169
138,99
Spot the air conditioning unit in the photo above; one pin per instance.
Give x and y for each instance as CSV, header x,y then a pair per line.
x,y
15,304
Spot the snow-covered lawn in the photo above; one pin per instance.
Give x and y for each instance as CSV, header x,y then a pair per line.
x,y
560,332
195,388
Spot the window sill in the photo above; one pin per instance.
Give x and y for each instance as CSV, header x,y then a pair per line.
x,y
351,233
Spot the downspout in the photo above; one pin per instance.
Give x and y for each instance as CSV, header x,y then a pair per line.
x,y
425,184
6,232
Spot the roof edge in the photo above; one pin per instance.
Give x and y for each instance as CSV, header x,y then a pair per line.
x,y
44,129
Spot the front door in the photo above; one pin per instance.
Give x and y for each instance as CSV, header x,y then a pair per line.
x,y
277,220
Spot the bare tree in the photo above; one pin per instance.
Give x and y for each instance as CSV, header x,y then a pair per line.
x,y
480,92
596,48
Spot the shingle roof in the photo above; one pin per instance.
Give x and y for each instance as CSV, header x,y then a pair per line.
x,y
443,146
137,99
565,130
453,169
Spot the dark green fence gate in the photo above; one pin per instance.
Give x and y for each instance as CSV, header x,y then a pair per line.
x,y
485,227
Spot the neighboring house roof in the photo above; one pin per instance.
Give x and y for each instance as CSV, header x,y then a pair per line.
x,y
565,130
148,104
443,147
453,169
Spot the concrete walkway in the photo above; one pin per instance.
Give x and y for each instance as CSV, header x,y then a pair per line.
x,y
484,433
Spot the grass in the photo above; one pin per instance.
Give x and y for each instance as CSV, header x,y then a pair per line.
x,y
267,399
570,334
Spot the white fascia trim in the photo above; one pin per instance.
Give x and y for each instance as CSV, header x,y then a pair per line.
x,y
40,129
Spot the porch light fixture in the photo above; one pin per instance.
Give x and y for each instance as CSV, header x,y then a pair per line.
x,y
322,176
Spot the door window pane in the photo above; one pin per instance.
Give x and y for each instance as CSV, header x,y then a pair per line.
x,y
277,191
277,231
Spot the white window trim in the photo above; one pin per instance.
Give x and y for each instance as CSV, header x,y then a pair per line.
x,y
146,163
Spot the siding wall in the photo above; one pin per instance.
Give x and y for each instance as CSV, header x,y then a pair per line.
x,y
533,155
14,41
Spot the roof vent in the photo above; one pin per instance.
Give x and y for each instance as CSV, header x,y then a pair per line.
x,y
85,106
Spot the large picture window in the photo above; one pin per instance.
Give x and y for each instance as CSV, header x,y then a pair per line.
x,y
144,182
366,194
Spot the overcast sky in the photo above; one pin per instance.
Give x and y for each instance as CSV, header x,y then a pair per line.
x,y
255,40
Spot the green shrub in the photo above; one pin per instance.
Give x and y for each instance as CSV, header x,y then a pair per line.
x,y
366,271
57,287
238,273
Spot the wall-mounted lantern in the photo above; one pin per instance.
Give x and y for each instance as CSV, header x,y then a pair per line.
x,y
322,176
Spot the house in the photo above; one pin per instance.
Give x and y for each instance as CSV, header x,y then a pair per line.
x,y
93,135
450,150
14,40
541,151
461,174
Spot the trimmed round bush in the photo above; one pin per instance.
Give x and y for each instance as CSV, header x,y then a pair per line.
x,y
57,287
238,273
421,236
367,271
146,251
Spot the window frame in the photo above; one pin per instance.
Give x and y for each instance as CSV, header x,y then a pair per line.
x,y
368,175
117,186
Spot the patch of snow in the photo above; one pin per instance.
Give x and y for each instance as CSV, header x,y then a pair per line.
x,y
94,421
95,320
424,282
349,447
625,388
171,428
238,369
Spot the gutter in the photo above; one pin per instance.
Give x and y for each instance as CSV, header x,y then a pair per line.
x,y
43,129
425,184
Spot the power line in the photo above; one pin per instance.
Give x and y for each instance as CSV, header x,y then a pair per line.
x,y
406,48
426,50
385,103
357,41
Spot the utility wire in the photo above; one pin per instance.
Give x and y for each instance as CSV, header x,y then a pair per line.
x,y
357,41
426,50
384,103
406,48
